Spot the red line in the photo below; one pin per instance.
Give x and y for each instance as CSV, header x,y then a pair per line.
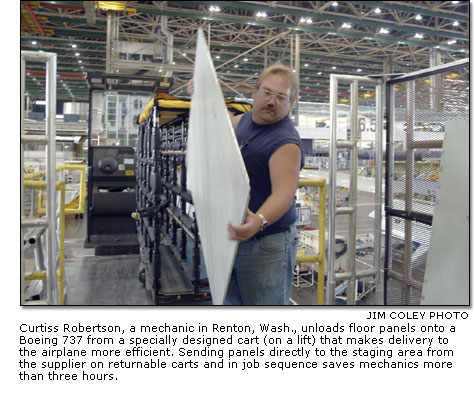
x,y
35,19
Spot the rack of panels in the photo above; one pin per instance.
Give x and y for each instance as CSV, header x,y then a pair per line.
x,y
172,264
167,227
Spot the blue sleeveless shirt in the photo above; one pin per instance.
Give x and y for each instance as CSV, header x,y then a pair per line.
x,y
258,143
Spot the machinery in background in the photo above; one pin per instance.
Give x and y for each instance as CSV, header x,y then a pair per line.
x,y
111,200
114,102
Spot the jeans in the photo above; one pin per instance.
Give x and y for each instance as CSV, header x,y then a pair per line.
x,y
262,273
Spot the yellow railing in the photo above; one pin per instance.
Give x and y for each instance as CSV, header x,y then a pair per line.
x,y
42,275
70,208
320,257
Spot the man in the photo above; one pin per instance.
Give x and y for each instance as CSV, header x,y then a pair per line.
x,y
272,152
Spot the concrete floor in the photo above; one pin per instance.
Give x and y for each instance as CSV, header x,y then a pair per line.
x,y
113,280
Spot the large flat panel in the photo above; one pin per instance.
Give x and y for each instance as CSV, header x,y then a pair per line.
x,y
217,175
447,271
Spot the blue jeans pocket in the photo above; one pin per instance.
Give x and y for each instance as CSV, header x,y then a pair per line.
x,y
272,243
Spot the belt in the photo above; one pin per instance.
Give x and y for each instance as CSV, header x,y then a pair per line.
x,y
257,236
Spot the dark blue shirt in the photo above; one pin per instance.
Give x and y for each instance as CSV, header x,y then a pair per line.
x,y
258,143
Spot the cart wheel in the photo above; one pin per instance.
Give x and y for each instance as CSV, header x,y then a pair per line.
x,y
141,277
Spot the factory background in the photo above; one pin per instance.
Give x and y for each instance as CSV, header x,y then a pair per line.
x,y
383,110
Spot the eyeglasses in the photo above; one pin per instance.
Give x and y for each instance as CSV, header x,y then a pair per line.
x,y
268,94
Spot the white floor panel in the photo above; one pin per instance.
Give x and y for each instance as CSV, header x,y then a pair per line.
x,y
217,175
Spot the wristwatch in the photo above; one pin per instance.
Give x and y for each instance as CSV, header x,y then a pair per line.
x,y
264,221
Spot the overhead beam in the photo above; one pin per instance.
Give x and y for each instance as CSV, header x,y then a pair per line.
x,y
326,16
416,10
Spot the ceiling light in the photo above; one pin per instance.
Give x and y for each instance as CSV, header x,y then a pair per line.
x,y
80,61
377,11
306,65
218,57
302,20
261,14
76,54
333,67
418,17
306,77
456,23
319,72
246,60
359,70
452,41
184,54
346,25
455,2
335,4
418,36
33,42
309,20
74,45
236,66
215,9
384,30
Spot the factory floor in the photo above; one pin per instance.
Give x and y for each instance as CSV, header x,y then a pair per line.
x,y
113,280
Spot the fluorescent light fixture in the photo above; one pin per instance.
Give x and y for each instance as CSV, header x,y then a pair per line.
x,y
319,72
246,60
77,54
236,65
306,65
418,36
309,20
218,57
333,67
359,70
74,45
384,30
80,61
456,23
306,77
302,20
418,17
452,41
40,102
184,54
33,42
377,11
215,9
346,25
455,2
261,14
335,4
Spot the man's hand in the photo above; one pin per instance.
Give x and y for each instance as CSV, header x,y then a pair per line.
x,y
248,229
189,87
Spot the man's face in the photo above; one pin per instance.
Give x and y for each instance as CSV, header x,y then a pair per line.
x,y
271,100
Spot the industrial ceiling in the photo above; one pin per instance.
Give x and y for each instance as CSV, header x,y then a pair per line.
x,y
316,38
